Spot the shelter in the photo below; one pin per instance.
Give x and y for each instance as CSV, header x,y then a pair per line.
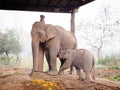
x,y
58,6
63,6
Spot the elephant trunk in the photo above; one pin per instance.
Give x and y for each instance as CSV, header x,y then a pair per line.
x,y
38,54
35,47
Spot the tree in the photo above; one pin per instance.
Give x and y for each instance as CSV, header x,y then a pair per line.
x,y
9,44
100,30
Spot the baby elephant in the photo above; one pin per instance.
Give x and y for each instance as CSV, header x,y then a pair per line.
x,y
80,59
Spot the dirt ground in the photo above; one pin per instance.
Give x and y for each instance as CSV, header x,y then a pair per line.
x,y
17,78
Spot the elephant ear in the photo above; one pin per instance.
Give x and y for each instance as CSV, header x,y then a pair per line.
x,y
50,32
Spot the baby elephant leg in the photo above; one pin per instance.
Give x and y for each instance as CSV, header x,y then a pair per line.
x,y
66,65
71,69
87,78
79,73
93,73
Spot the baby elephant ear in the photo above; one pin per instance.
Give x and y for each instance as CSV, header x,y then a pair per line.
x,y
50,32
69,53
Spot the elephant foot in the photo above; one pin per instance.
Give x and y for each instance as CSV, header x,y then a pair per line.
x,y
70,72
81,79
87,81
60,73
31,74
52,73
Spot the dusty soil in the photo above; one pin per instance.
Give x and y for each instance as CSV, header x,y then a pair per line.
x,y
17,78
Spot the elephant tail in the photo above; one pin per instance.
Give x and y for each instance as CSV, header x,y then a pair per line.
x,y
93,68
93,62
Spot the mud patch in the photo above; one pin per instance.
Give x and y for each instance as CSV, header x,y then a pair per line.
x,y
10,80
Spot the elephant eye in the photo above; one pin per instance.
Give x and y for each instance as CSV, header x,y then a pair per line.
x,y
40,34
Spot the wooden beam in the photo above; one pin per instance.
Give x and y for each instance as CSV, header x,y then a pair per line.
x,y
58,3
37,2
27,3
48,3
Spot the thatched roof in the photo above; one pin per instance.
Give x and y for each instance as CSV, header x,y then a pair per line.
x,y
43,5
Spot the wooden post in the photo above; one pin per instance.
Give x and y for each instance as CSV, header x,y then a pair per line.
x,y
73,21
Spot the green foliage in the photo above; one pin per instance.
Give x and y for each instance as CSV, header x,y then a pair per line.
x,y
9,45
106,60
9,42
3,60
114,67
115,78
110,61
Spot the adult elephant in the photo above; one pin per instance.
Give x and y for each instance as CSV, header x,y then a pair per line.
x,y
51,38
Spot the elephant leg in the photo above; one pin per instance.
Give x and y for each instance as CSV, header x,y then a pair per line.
x,y
71,69
62,62
38,62
66,65
40,59
78,70
47,55
53,55
87,78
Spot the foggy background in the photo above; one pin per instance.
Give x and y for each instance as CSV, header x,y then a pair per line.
x,y
90,23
